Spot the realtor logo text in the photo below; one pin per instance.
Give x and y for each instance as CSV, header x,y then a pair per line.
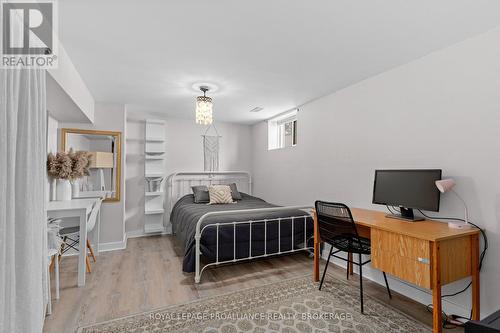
x,y
29,34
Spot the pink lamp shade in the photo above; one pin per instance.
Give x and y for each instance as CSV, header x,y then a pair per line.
x,y
445,185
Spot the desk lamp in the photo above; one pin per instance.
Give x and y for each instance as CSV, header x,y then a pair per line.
x,y
446,185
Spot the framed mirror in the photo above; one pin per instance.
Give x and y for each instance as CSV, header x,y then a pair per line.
x,y
104,148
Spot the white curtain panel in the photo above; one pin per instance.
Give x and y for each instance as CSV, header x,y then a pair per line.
x,y
23,232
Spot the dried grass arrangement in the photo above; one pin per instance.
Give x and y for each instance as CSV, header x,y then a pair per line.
x,y
71,165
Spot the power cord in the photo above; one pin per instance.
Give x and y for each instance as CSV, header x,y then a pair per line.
x,y
390,210
453,321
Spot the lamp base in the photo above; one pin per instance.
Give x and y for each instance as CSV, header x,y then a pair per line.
x,y
459,225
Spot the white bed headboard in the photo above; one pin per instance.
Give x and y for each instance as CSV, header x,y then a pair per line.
x,y
179,183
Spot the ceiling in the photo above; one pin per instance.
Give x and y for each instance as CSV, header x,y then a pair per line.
x,y
275,54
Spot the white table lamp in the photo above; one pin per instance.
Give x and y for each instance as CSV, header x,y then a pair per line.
x,y
446,185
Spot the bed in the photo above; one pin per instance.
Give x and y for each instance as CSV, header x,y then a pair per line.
x,y
249,229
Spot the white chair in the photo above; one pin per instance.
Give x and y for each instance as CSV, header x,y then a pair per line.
x,y
71,235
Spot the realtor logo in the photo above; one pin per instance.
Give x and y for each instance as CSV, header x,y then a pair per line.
x,y
29,34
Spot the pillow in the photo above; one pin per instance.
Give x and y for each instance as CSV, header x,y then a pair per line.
x,y
200,194
234,192
220,194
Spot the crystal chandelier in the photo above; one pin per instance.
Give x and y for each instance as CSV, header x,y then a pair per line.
x,y
204,108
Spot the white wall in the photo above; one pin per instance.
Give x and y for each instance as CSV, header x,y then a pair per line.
x,y
441,111
67,77
110,117
184,152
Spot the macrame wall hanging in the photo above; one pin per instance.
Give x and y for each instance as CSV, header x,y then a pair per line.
x,y
211,150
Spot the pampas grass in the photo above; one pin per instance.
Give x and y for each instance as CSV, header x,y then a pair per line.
x,y
71,165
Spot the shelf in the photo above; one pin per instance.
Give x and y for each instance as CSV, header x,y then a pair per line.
x,y
154,211
153,194
153,175
154,158
155,140
155,121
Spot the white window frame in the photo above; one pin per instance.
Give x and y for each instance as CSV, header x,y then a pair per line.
x,y
276,128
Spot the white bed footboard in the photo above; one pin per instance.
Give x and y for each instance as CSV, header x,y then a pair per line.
x,y
200,227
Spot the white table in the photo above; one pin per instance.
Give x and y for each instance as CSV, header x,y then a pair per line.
x,y
93,194
75,208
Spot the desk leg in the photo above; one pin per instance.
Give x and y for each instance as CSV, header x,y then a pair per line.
x,y
350,265
82,248
476,312
437,317
317,247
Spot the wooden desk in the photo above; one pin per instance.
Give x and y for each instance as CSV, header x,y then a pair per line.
x,y
427,253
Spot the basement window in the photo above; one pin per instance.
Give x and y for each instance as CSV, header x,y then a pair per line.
x,y
282,131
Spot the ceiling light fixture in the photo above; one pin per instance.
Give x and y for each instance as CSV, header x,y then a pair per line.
x,y
204,108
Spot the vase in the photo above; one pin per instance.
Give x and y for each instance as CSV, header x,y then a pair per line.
x,y
63,190
75,188
53,186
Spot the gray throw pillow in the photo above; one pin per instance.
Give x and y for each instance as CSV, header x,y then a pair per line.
x,y
200,194
234,192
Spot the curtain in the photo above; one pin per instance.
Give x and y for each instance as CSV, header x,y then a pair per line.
x,y
23,262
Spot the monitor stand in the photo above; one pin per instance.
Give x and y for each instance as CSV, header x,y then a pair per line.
x,y
406,215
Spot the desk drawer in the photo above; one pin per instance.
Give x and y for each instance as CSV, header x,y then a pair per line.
x,y
405,257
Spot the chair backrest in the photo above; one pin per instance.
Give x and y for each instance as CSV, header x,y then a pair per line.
x,y
334,220
93,215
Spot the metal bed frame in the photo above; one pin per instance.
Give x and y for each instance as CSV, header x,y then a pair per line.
x,y
179,184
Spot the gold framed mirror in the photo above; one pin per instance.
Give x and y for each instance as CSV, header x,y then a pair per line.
x,y
105,148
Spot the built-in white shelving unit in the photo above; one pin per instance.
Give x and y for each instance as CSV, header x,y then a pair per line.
x,y
154,169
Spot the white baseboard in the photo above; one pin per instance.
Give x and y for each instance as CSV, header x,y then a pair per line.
x,y
112,246
417,294
140,233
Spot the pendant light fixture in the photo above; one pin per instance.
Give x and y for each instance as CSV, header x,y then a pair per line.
x,y
204,108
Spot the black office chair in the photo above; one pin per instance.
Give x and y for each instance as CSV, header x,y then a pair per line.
x,y
337,228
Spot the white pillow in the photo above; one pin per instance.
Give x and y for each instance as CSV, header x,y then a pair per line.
x,y
220,194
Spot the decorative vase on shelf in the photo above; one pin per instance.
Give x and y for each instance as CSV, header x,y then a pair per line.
x,y
63,190
75,188
53,186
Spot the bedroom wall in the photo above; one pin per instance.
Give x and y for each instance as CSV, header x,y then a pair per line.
x,y
184,152
110,117
79,99
441,111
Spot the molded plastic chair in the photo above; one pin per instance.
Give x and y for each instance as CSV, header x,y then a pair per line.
x,y
71,235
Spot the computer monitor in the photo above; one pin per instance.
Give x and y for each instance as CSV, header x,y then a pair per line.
x,y
407,189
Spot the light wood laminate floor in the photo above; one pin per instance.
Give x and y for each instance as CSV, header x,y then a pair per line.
x,y
147,275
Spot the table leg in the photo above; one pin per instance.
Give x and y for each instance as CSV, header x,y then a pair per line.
x,y
476,311
350,265
97,233
317,247
437,316
82,248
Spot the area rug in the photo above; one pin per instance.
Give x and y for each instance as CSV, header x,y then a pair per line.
x,y
289,306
